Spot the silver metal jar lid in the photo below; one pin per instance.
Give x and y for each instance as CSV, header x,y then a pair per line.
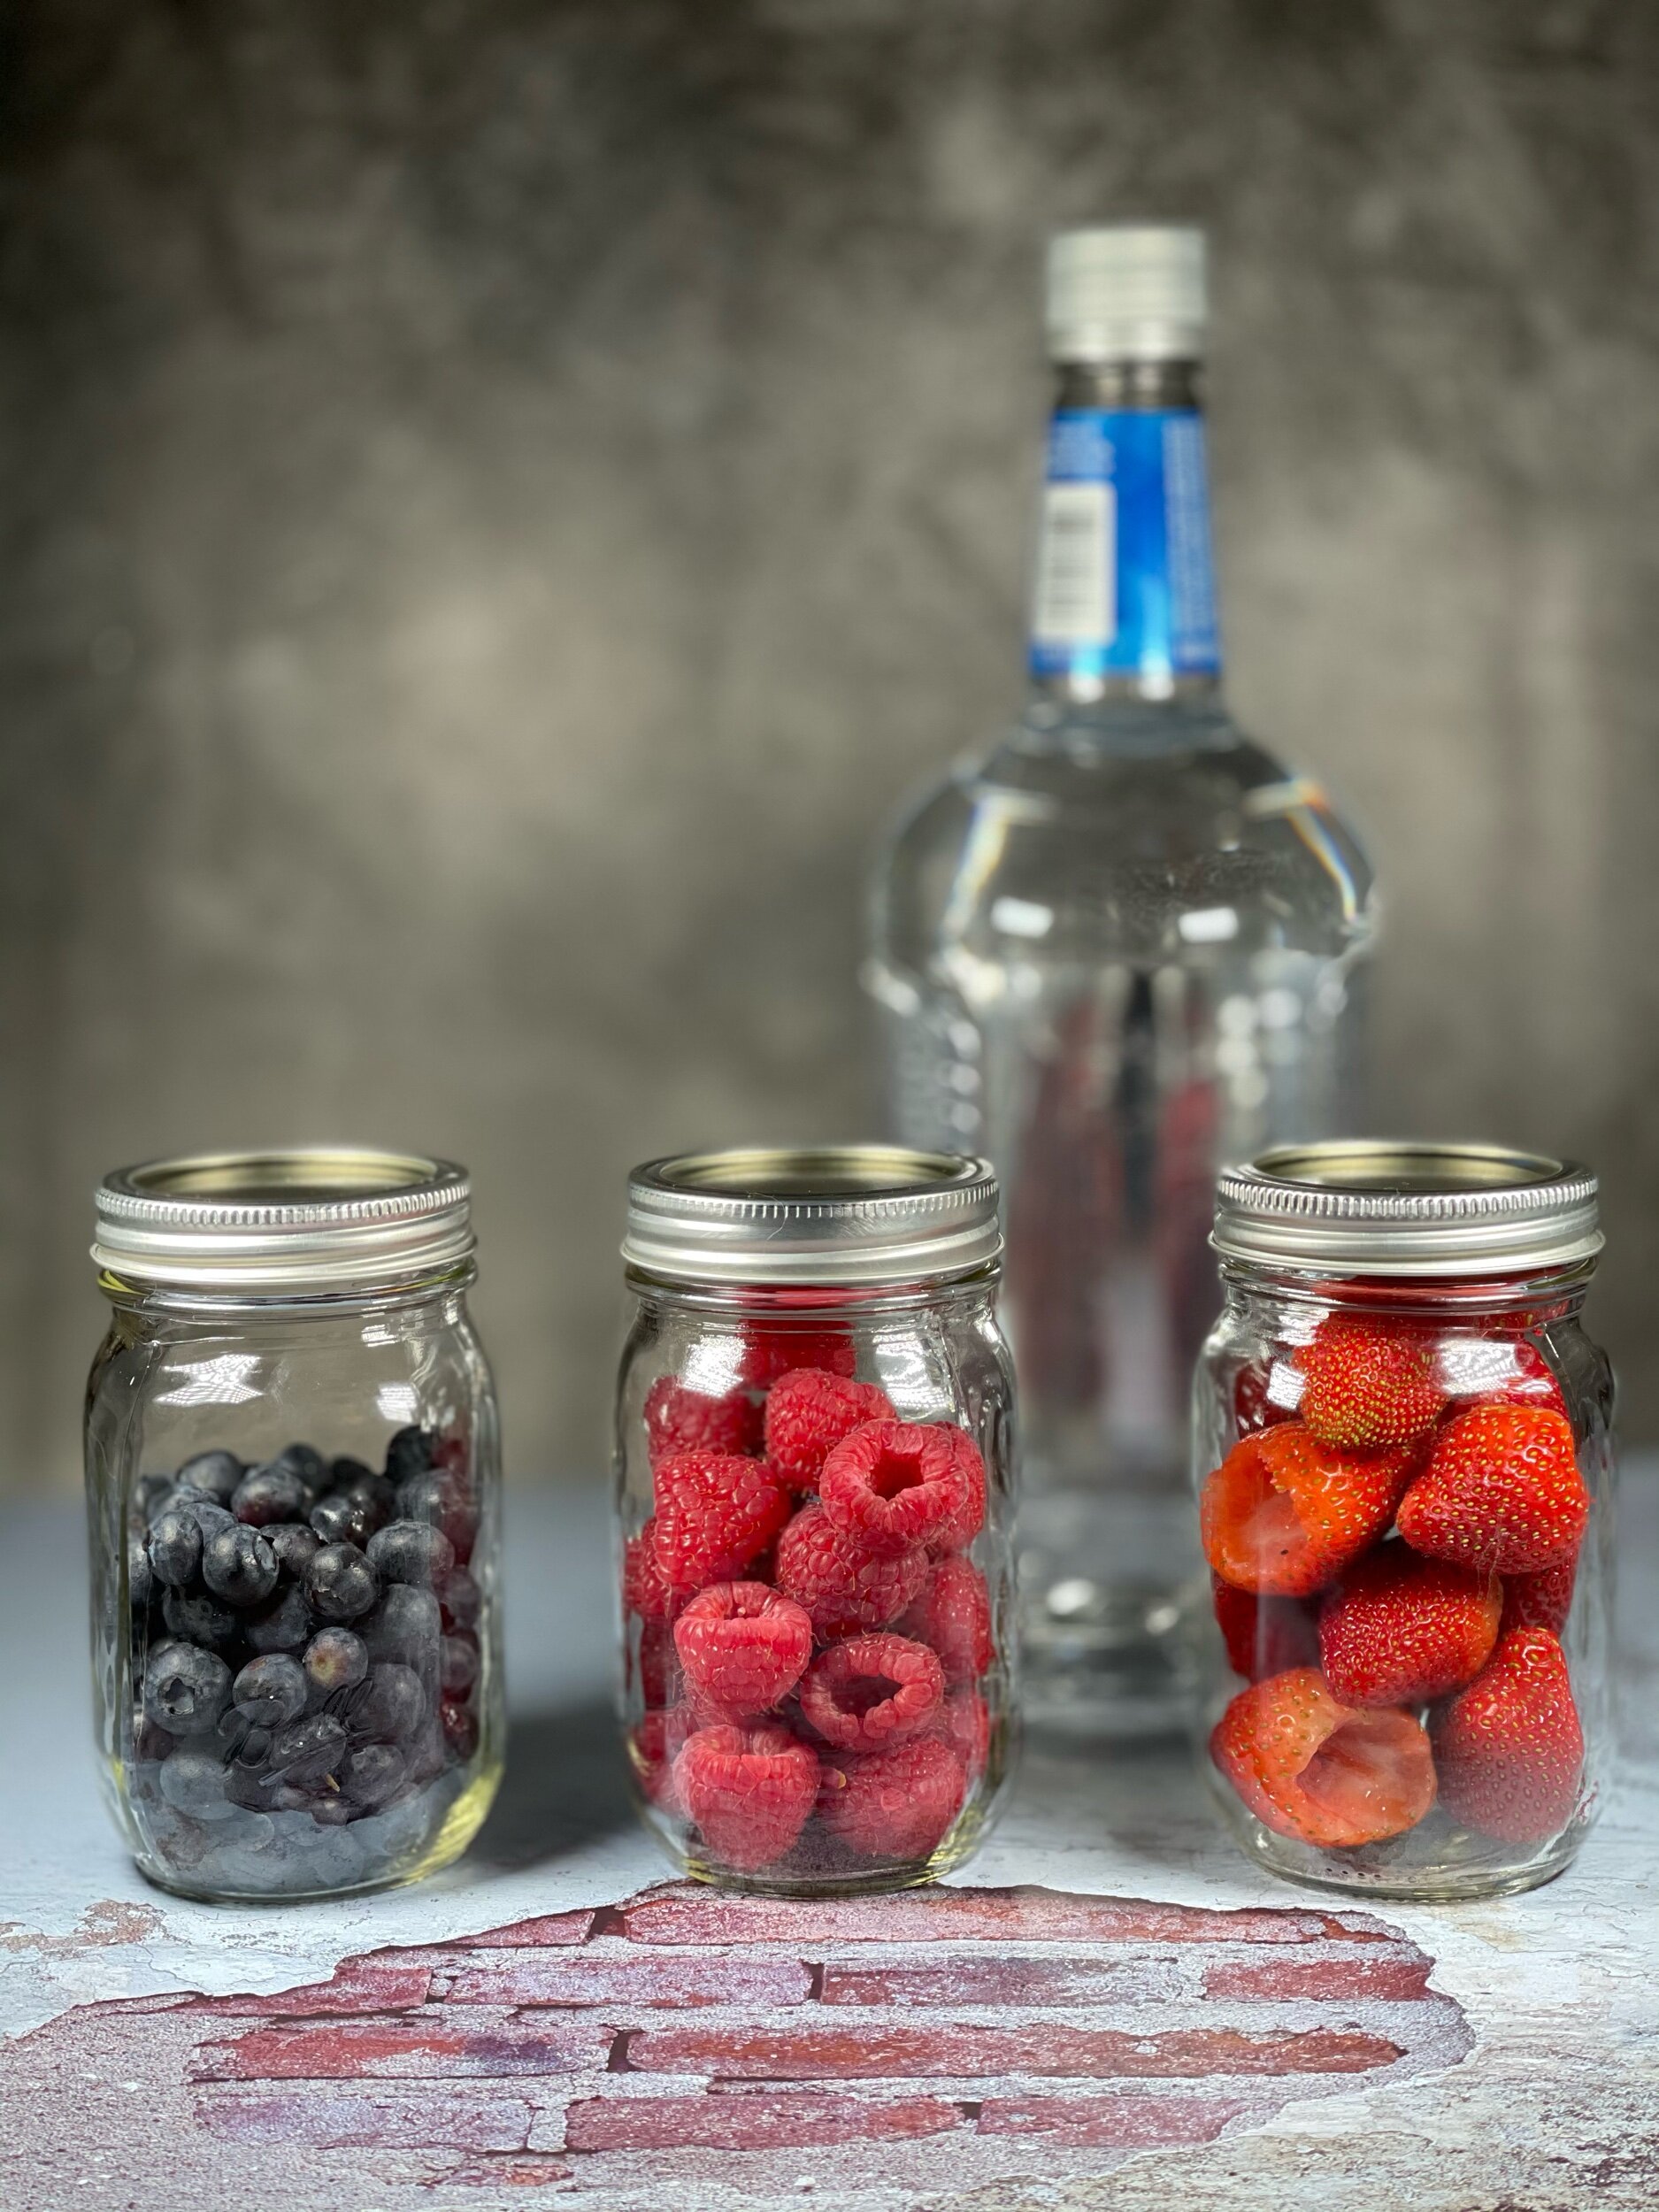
x,y
265,1224
854,1214
1408,1209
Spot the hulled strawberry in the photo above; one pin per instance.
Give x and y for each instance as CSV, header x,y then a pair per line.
x,y
1399,1629
1369,1386
1509,1748
1265,1636
1501,1491
1320,1771
1498,1368
1284,1514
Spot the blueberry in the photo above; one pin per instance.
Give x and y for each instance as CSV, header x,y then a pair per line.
x,y
305,1462
206,1511
270,1493
335,1660
405,1624
216,1473
460,1727
373,1491
193,1782
271,1690
295,1545
141,1582
148,1493
462,1601
333,1812
284,1624
342,1518
186,1689
305,1750
239,1566
409,1453
410,1551
149,1740
369,1774
393,1707
440,1501
340,1583
200,1620
345,1473
457,1668
427,1755
176,1548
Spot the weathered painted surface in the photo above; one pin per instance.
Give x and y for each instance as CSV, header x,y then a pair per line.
x,y
1112,2009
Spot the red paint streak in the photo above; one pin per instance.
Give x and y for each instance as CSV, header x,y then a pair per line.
x,y
1398,1973
382,1982
895,2053
434,2118
554,1928
751,2123
994,1981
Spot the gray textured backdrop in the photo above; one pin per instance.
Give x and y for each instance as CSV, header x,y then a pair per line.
x,y
501,501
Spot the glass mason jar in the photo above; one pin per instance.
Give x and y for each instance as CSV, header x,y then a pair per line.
x,y
292,1488
1403,1441
814,1472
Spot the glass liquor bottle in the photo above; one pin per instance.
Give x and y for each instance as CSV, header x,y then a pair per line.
x,y
1114,952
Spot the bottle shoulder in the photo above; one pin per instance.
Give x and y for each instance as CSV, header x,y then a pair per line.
x,y
1117,825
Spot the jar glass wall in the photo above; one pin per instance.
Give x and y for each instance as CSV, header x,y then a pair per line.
x,y
292,1480
814,1485
1406,1479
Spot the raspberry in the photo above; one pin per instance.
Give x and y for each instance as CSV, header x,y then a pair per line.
x,y
1265,1636
965,1524
952,1617
897,1803
657,1667
1322,1772
1509,1748
808,1414
1284,1514
653,1745
773,1352
1369,1386
895,1483
743,1646
1399,1629
965,1722
749,1790
844,1586
1501,1491
715,1512
681,1420
872,1691
643,1590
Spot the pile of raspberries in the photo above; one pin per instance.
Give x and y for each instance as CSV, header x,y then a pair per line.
x,y
806,1633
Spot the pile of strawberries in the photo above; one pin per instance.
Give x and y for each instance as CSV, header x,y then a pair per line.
x,y
1392,1566
806,1635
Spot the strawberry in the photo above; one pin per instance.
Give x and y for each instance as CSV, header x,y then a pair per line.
x,y
1284,1514
1501,1491
1540,1600
1369,1386
1321,1772
1264,1392
1499,1370
1399,1629
1509,1749
1265,1636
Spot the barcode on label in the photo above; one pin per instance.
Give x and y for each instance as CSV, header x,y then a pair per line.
x,y
1077,585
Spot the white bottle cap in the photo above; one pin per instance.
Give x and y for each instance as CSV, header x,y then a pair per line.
x,y
1127,292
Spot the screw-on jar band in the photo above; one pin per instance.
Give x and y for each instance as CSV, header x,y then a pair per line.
x,y
850,1216
283,1223
1408,1209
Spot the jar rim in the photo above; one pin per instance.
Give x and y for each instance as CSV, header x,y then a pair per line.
x,y
286,1220
857,1215
1408,1208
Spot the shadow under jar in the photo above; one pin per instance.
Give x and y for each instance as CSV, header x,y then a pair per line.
x,y
1404,1446
814,1468
293,1493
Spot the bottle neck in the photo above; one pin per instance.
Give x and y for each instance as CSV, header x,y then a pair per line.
x,y
1123,598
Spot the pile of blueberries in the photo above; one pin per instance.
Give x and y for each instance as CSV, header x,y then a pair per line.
x,y
305,1662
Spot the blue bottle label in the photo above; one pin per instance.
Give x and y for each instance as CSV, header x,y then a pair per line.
x,y
1126,584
